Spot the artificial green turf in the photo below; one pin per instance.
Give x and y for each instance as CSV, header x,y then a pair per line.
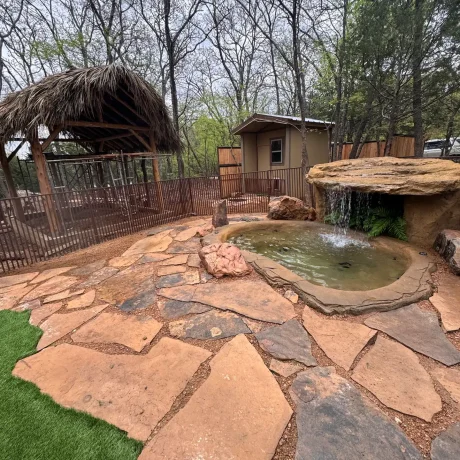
x,y
32,426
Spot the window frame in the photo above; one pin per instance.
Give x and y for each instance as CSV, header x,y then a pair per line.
x,y
281,139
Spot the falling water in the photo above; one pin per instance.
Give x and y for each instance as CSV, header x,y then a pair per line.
x,y
341,202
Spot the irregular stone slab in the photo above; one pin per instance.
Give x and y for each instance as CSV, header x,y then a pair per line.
x,y
63,295
119,262
133,392
450,380
239,412
52,286
58,325
176,260
447,302
224,259
10,299
418,330
291,296
128,283
140,301
6,281
447,445
340,340
395,376
172,309
32,305
82,301
210,325
155,231
50,273
155,243
255,326
39,314
185,235
194,261
133,331
249,298
178,279
335,422
284,369
189,247
205,277
99,276
149,258
89,268
171,270
288,341
14,287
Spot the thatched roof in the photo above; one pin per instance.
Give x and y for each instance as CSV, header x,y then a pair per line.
x,y
110,94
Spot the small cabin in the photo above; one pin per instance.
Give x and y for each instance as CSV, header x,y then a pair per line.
x,y
270,142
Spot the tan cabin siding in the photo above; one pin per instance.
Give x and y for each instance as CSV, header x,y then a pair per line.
x,y
317,148
249,143
263,149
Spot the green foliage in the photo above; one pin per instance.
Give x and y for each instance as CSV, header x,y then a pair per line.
x,y
385,221
32,425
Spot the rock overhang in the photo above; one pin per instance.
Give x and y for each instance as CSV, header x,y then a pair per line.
x,y
389,175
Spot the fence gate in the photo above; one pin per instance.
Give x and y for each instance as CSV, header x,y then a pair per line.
x,y
229,160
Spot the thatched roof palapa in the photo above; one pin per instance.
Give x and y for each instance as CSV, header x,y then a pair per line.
x,y
107,94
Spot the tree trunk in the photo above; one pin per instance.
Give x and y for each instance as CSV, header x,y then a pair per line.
x,y
417,79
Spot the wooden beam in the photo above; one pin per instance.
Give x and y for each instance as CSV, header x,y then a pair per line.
x,y
98,124
15,201
141,139
51,137
16,150
44,184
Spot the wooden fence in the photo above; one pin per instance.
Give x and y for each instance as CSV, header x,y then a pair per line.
x,y
229,160
402,146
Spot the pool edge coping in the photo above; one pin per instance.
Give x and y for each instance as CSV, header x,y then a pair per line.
x,y
413,286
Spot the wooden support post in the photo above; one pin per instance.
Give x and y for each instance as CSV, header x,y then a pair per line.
x,y
16,202
44,183
156,173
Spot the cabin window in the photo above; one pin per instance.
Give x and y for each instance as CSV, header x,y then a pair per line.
x,y
276,149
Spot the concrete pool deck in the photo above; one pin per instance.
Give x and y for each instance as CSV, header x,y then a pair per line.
x,y
197,367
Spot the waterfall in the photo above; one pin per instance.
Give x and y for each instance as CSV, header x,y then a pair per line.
x,y
342,205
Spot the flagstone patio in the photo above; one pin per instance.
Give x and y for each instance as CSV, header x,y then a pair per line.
x,y
203,368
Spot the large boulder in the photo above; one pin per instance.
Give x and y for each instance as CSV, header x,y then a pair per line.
x,y
289,208
222,259
448,245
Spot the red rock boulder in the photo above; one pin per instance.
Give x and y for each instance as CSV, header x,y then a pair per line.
x,y
224,259
289,208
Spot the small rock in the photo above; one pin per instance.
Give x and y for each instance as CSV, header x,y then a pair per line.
x,y
291,295
222,259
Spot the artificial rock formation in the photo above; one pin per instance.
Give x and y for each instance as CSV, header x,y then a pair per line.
x,y
447,243
289,208
222,259
431,189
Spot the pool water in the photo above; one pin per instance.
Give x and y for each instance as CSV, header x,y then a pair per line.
x,y
325,258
